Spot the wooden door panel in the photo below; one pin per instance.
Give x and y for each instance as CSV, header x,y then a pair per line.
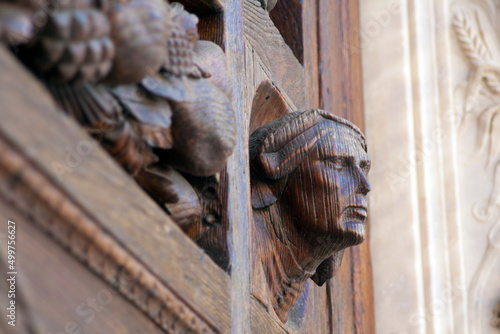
x,y
97,201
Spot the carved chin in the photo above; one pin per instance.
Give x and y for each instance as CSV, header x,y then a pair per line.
x,y
354,232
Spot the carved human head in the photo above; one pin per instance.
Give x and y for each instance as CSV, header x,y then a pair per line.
x,y
309,173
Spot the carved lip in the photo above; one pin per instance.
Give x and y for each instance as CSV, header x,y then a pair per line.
x,y
358,211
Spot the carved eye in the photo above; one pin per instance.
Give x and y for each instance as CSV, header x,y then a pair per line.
x,y
365,166
338,163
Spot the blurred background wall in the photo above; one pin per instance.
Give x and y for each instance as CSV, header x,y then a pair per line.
x,y
432,101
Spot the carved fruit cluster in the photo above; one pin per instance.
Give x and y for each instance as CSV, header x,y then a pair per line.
x,y
128,71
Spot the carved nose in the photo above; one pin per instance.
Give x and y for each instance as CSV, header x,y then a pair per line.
x,y
363,185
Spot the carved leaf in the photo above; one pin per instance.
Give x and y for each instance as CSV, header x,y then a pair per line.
x,y
469,35
128,148
144,107
92,106
203,130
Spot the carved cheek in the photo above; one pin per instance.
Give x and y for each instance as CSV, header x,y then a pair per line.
x,y
326,197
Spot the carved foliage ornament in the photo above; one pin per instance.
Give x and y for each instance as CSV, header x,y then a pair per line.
x,y
135,76
309,190
133,73
478,108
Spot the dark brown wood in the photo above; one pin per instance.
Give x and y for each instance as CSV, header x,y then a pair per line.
x,y
211,28
278,61
268,105
163,96
72,297
119,211
287,17
268,4
309,192
99,215
204,7
333,64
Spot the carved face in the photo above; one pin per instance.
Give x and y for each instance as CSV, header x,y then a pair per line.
x,y
326,194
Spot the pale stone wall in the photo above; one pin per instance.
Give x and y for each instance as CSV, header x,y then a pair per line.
x,y
432,100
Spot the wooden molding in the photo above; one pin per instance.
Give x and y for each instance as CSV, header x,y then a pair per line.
x,y
25,187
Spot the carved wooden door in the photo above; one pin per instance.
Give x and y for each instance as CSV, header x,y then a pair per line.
x,y
95,254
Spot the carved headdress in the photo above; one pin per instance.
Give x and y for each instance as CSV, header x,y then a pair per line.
x,y
276,150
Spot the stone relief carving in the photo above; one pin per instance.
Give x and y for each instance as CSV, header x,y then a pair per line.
x,y
136,77
478,104
481,91
309,187
478,290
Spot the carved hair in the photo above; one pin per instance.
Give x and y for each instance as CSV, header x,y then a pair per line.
x,y
280,146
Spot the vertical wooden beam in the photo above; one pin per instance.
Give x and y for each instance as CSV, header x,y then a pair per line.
x,y
334,81
239,211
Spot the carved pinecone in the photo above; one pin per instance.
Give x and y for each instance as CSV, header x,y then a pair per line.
x,y
139,31
74,46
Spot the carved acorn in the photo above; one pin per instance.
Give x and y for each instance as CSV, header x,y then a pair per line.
x,y
139,31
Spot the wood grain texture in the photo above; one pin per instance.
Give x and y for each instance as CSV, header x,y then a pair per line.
x,y
211,28
73,229
238,174
333,64
96,187
63,301
204,7
267,105
287,17
119,206
262,322
279,62
153,101
309,187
